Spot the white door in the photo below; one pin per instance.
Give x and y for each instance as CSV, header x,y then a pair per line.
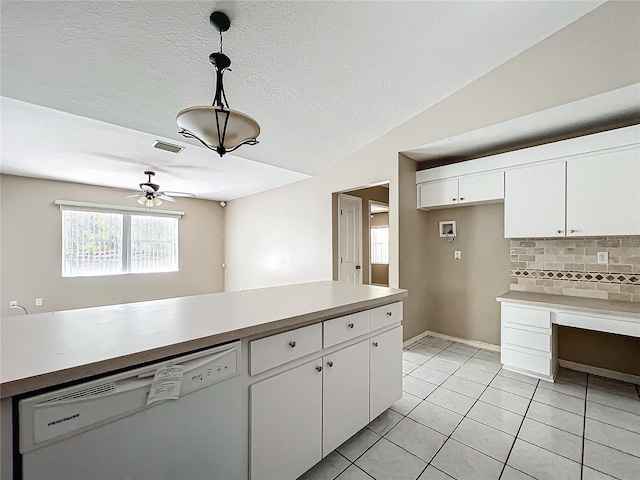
x,y
534,201
385,375
603,194
286,423
346,395
350,239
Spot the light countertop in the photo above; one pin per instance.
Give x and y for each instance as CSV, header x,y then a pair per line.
x,y
48,349
628,310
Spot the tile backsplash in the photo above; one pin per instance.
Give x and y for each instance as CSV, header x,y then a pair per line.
x,y
569,267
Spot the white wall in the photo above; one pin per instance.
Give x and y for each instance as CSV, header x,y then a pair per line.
x,y
284,235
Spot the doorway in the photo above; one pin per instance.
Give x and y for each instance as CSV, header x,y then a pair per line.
x,y
376,198
379,243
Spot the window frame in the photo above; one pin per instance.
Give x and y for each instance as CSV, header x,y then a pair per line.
x,y
127,213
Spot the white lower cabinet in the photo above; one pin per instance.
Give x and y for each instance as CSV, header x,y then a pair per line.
x,y
286,423
299,416
385,371
345,402
527,343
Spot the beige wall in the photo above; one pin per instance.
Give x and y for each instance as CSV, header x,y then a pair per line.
x,y
462,293
412,252
378,194
603,350
31,245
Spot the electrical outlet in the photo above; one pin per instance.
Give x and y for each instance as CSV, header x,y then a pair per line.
x,y
13,303
457,255
603,257
38,302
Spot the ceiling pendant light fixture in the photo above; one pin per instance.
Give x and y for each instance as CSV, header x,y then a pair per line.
x,y
217,126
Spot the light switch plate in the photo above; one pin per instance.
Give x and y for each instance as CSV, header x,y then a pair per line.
x,y
38,302
603,257
457,255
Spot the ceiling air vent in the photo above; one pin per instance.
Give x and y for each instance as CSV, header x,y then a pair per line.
x,y
167,147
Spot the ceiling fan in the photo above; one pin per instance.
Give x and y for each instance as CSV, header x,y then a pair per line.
x,y
150,196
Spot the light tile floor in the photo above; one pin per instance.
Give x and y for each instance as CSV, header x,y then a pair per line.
x,y
462,416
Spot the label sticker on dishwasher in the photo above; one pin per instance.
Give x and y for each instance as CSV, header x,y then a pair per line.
x,y
166,384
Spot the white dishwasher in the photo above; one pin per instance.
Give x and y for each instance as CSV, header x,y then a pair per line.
x,y
103,429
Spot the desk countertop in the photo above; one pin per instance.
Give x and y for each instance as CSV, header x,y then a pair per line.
x,y
48,349
627,310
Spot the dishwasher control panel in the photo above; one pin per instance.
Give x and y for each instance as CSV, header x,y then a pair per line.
x,y
214,369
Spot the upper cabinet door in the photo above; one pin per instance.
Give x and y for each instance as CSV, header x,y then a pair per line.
x,y
534,204
481,188
437,194
603,194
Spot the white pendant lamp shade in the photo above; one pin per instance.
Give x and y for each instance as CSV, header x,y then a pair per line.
x,y
205,123
217,126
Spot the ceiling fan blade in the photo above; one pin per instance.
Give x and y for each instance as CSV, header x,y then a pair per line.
x,y
134,195
165,197
178,194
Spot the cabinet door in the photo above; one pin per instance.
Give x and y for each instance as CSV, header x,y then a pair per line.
x,y
440,193
385,373
603,194
534,201
345,395
286,423
481,188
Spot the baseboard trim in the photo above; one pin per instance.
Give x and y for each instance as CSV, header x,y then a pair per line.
x,y
471,343
603,372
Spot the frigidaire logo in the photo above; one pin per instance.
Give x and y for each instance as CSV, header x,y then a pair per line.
x,y
55,422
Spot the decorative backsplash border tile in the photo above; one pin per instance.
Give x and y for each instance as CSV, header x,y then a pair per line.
x,y
569,267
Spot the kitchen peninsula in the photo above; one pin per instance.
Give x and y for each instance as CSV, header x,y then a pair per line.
x,y
321,319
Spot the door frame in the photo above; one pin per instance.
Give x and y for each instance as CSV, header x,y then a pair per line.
x,y
374,202
358,200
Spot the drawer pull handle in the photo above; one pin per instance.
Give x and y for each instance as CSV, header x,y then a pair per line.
x,y
461,198
330,364
453,199
572,231
292,344
375,344
560,231
350,325
319,368
389,314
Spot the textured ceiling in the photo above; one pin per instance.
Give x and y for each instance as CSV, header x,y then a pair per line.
x,y
612,109
322,78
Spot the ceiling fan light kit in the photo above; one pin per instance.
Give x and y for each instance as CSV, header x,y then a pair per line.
x,y
150,195
218,127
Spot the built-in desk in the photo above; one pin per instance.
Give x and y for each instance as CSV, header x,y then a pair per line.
x,y
529,338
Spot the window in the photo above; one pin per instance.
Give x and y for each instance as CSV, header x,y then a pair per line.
x,y
380,245
108,243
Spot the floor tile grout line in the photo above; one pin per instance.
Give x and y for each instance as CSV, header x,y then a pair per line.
x,y
518,432
456,427
584,427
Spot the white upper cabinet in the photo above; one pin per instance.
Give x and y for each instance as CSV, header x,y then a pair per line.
x,y
481,188
438,194
603,194
588,195
534,204
472,189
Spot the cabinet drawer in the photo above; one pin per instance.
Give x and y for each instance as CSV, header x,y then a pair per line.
x,y
345,328
525,361
523,338
275,350
526,316
386,315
